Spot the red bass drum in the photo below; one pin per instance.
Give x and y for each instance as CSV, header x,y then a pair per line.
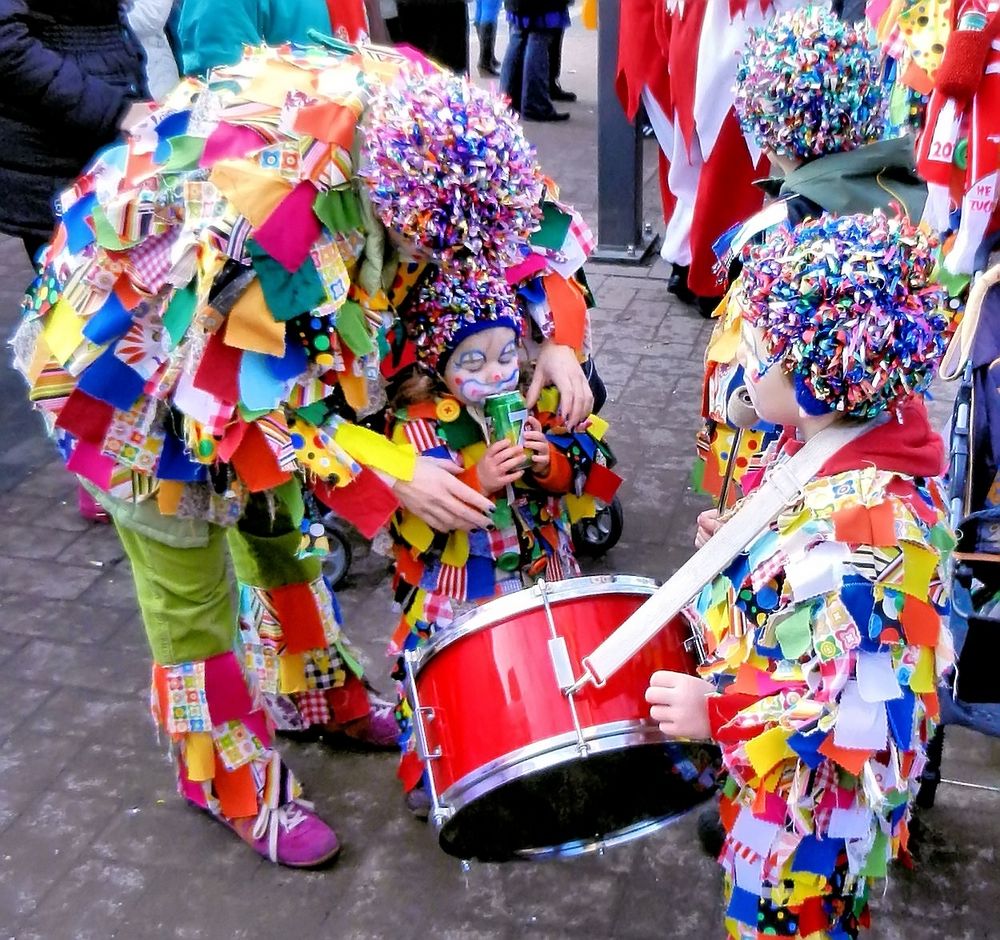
x,y
516,767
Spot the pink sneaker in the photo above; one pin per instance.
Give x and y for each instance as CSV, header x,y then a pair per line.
x,y
291,835
89,507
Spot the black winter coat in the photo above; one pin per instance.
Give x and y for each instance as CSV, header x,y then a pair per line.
x,y
69,69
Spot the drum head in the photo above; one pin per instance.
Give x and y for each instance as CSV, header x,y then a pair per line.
x,y
580,805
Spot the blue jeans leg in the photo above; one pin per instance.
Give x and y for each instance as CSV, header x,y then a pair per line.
x,y
487,11
512,70
535,98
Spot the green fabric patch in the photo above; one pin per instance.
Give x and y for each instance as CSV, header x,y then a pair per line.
x,y
287,294
352,327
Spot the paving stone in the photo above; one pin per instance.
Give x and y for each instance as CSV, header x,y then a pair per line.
x,y
45,581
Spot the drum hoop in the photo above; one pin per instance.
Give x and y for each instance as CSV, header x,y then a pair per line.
x,y
509,605
547,753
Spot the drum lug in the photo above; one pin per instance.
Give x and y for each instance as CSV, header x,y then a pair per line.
x,y
420,715
694,644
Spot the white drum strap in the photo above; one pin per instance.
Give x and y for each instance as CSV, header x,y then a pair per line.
x,y
782,487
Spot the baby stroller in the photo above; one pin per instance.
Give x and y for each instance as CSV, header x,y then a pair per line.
x,y
973,697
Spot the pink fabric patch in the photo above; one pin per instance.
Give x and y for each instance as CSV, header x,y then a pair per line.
x,y
226,689
291,229
527,268
88,461
228,140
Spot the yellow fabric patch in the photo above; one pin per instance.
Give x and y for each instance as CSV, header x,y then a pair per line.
x,y
922,679
375,451
416,532
199,755
580,507
63,331
767,749
456,552
292,673
597,428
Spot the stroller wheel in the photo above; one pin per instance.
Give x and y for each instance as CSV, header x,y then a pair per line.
x,y
337,562
597,535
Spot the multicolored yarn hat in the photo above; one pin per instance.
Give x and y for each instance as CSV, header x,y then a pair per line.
x,y
451,305
809,85
849,310
449,169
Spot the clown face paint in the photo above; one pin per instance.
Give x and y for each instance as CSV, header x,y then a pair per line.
x,y
771,390
483,364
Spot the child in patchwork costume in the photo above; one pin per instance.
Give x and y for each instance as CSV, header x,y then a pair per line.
x,y
826,636
466,327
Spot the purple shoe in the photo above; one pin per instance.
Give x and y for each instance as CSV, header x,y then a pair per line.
x,y
377,729
291,835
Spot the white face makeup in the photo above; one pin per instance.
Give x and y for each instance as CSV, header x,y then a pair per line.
x,y
483,364
770,389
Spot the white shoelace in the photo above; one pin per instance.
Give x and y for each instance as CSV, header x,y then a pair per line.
x,y
271,821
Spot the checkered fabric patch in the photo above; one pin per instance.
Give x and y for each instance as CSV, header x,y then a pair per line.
x,y
150,260
314,709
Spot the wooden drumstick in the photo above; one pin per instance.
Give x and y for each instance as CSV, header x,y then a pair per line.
x,y
740,414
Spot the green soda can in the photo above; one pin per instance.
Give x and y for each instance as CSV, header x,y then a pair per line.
x,y
506,415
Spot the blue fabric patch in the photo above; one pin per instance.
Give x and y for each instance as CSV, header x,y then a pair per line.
x,y
807,747
108,378
481,581
439,451
429,579
173,126
78,233
743,906
818,856
859,599
291,365
901,718
479,543
175,464
532,291
110,322
738,570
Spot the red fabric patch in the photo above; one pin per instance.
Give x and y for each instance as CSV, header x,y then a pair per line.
x,y
366,502
85,417
256,464
297,612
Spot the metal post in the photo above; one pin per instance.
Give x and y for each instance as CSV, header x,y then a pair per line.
x,y
622,236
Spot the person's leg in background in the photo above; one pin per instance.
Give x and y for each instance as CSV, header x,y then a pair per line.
x,y
221,739
291,627
535,100
512,70
486,16
556,91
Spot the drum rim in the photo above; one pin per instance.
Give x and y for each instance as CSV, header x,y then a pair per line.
x,y
544,755
509,605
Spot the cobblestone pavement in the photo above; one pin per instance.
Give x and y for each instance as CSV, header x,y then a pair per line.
x,y
95,843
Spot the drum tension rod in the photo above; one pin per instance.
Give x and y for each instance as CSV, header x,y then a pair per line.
x,y
440,813
563,668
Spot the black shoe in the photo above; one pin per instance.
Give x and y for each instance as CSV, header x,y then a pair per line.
x,y
489,70
558,93
677,284
707,306
711,834
549,118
